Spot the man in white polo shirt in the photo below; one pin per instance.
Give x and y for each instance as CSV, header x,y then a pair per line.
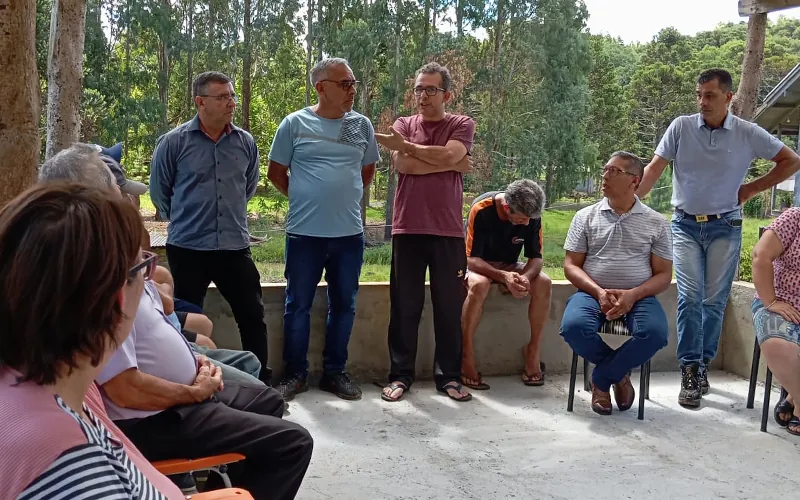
x,y
711,153
619,256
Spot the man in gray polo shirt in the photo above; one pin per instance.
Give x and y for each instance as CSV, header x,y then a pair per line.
x,y
619,256
711,153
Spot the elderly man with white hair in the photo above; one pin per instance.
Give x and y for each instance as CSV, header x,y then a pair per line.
x,y
499,226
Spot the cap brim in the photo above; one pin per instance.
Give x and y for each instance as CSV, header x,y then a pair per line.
x,y
134,188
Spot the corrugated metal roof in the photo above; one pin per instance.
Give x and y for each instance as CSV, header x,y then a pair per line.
x,y
158,240
781,107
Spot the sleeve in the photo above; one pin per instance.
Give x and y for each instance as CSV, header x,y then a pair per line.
x,y
189,335
764,144
82,472
662,246
476,234
252,168
464,132
534,240
577,240
401,125
668,146
786,226
162,176
372,154
282,144
123,359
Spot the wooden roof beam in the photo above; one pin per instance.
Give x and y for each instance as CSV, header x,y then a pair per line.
x,y
750,7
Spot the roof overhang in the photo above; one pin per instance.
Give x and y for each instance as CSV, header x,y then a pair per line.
x,y
780,110
749,7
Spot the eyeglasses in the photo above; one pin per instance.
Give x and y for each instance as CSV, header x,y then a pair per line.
x,y
431,91
345,84
223,97
614,171
147,267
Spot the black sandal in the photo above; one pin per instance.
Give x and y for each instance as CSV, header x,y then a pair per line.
x,y
783,406
456,387
530,381
480,386
394,386
794,422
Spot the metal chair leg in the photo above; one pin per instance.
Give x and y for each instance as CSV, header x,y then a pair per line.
x,y
642,389
784,393
767,394
586,385
573,374
647,382
751,393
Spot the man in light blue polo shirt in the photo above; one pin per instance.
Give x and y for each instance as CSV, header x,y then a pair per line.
x,y
711,153
322,157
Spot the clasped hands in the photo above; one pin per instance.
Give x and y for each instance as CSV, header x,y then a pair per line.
x,y
616,303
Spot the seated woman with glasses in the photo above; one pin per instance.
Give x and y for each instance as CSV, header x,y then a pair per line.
x,y
776,310
71,276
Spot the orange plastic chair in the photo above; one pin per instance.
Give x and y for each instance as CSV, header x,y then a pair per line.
x,y
226,494
215,463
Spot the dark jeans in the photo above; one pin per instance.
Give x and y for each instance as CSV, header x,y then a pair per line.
x,y
242,419
646,321
236,277
412,255
306,258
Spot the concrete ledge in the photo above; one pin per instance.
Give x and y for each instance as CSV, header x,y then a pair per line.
x,y
498,344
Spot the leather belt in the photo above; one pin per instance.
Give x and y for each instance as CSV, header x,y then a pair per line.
x,y
699,217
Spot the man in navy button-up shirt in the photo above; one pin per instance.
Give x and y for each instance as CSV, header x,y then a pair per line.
x,y
202,175
711,153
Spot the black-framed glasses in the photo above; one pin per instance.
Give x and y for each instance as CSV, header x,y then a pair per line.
x,y
614,171
345,84
223,97
431,91
147,267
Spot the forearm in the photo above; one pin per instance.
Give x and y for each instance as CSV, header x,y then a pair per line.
x,y
649,179
780,172
532,269
652,287
140,391
367,175
480,266
435,155
406,164
764,279
578,277
281,182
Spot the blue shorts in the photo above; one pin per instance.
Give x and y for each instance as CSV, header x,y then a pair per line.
x,y
770,325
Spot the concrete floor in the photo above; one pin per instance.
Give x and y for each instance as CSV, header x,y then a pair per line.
x,y
517,442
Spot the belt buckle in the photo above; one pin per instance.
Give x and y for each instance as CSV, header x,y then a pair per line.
x,y
701,218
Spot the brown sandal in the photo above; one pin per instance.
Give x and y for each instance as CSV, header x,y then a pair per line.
x,y
394,386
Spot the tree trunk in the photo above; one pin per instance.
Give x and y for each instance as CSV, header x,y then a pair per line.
x,y
247,65
65,74
319,33
498,36
460,18
427,29
743,104
309,49
19,98
163,71
189,63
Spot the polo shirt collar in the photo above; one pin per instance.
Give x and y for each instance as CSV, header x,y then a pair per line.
x,y
727,124
638,207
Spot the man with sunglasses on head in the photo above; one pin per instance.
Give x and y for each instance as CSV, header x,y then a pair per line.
x,y
322,158
202,175
430,151
619,257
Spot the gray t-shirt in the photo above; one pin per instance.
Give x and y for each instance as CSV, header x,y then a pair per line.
x,y
618,247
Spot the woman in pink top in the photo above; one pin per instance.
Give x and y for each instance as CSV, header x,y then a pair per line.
x,y
71,274
776,309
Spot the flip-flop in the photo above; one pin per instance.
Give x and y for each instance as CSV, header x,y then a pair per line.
x,y
480,386
394,386
456,387
794,422
530,381
783,406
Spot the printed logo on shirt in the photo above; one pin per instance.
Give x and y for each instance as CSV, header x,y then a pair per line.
x,y
516,240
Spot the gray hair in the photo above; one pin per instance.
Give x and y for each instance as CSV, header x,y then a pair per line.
x,y
525,197
201,81
78,163
320,70
635,164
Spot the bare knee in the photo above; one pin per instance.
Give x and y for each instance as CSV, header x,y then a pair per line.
x,y
478,286
199,323
542,287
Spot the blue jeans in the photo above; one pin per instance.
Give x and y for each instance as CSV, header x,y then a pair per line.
x,y
306,258
239,366
706,256
583,318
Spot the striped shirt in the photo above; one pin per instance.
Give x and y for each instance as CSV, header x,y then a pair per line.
x,y
618,247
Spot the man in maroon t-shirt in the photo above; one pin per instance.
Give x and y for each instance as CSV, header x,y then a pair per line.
x,y
430,152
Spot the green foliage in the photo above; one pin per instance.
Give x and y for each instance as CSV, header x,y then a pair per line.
x,y
754,207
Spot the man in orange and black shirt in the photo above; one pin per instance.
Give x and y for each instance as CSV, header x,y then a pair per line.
x,y
499,226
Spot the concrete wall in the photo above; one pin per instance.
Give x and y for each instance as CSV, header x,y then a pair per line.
x,y
498,344
738,336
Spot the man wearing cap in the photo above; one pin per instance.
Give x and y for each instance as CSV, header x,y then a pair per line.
x,y
202,174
